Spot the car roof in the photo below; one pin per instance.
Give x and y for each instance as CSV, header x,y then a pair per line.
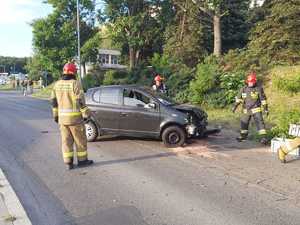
x,y
120,86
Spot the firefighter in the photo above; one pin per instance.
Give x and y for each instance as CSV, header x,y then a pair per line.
x,y
289,146
159,86
254,102
70,111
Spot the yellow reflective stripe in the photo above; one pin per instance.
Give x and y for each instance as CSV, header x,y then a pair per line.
x,y
263,131
55,111
245,111
256,110
244,131
254,95
264,102
83,110
68,154
70,114
244,95
82,154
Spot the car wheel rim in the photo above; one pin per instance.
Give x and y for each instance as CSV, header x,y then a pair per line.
x,y
174,138
89,131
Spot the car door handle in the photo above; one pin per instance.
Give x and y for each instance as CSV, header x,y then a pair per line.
x,y
124,114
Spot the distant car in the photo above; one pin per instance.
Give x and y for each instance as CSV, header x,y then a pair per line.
x,y
2,82
139,112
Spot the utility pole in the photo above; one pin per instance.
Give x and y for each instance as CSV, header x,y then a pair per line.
x,y
78,42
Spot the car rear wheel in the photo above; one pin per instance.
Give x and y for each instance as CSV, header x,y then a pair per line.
x,y
91,131
173,137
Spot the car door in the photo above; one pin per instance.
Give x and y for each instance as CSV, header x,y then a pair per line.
x,y
106,108
136,116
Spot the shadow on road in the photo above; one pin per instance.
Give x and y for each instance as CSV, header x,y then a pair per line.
x,y
133,159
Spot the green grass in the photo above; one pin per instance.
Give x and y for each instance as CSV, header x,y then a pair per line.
x,y
44,93
223,117
6,87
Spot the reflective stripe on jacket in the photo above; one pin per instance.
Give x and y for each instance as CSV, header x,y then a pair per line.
x,y
68,102
252,99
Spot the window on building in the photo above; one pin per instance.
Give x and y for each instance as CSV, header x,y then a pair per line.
x,y
104,58
114,59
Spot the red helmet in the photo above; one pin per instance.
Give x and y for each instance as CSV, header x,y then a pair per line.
x,y
70,69
251,78
158,78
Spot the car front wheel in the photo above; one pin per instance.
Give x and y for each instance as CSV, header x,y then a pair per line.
x,y
173,137
91,131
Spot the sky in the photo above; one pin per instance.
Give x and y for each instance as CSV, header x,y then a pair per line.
x,y
15,31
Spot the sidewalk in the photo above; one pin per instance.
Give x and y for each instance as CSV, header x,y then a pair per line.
x,y
11,210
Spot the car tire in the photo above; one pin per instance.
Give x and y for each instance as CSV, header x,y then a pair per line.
x,y
91,131
173,136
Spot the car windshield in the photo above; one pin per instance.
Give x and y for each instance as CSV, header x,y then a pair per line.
x,y
162,98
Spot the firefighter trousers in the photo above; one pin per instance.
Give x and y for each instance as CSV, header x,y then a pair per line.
x,y
71,134
259,122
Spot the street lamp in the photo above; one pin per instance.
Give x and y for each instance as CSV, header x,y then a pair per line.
x,y
78,42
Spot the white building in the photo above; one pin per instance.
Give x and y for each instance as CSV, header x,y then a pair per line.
x,y
109,59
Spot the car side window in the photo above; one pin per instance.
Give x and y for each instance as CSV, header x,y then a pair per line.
x,y
96,96
109,96
134,98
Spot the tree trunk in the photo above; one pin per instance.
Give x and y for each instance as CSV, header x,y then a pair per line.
x,y
137,57
83,69
217,36
131,58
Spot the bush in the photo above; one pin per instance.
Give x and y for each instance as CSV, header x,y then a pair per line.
x,y
178,82
90,81
205,81
230,84
281,128
113,77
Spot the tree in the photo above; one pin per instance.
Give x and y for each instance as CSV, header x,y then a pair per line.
x,y
54,37
235,24
187,36
135,25
12,64
212,9
276,38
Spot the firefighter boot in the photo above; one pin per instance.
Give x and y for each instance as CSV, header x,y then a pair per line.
x,y
241,138
69,165
281,155
85,163
264,141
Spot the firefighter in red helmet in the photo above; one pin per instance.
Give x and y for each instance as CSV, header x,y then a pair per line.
x,y
70,111
159,85
254,102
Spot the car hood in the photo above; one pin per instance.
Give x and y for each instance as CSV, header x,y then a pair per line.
x,y
196,111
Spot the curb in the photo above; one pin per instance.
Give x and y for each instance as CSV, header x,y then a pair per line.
x,y
12,202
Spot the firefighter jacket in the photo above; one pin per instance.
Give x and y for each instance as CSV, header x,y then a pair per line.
x,y
162,88
68,102
253,99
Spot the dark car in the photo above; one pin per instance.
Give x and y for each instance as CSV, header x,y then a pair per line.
x,y
134,111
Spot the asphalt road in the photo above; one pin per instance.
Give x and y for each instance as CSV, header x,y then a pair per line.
x,y
133,182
